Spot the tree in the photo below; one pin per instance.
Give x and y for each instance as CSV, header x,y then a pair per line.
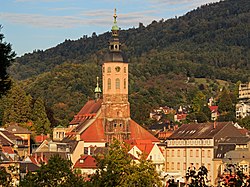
x,y
17,106
5,177
234,176
198,102
245,122
225,103
197,178
6,58
39,117
57,173
117,168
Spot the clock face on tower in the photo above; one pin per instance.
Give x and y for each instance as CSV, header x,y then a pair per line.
x,y
117,68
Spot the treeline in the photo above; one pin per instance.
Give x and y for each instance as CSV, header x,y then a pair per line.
x,y
166,58
215,36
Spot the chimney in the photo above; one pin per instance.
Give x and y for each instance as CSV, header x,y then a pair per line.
x,y
214,124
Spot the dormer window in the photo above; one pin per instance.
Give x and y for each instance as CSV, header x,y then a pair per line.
x,y
81,161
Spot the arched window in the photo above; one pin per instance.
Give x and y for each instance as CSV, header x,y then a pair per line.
x,y
109,69
125,83
117,83
109,84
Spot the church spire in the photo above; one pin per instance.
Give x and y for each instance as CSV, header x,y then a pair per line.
x,y
114,44
98,90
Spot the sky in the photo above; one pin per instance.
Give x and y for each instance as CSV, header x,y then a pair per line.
x,y
41,24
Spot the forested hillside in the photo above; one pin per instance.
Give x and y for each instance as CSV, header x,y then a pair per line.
x,y
210,42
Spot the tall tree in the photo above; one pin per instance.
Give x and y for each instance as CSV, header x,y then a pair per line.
x,y
57,172
198,102
117,168
225,103
17,106
6,57
40,118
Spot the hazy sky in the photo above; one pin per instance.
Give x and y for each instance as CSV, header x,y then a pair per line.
x,y
41,24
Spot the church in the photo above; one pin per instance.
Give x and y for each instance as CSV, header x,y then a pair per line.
x,y
102,119
107,117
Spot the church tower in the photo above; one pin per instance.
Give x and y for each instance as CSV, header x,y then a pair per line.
x,y
115,106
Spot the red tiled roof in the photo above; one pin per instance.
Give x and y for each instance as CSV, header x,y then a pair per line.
x,y
165,134
145,148
181,116
7,149
40,138
4,141
94,133
85,162
244,131
139,133
88,110
213,108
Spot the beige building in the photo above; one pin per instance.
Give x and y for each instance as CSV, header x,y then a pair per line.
x,y
196,145
244,91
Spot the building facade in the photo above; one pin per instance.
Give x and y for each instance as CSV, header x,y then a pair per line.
x,y
195,145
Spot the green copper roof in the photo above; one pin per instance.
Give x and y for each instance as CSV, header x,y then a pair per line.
x,y
115,27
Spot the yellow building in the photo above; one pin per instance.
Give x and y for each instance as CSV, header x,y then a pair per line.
x,y
195,145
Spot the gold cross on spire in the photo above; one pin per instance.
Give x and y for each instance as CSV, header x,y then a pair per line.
x,y
115,16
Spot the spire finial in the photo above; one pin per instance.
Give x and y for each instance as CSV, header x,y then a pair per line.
x,y
97,82
115,27
115,16
97,89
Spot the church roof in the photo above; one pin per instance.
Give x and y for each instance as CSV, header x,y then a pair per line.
x,y
94,133
139,133
88,110
115,57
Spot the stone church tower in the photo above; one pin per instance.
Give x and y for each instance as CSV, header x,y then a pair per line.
x,y
115,106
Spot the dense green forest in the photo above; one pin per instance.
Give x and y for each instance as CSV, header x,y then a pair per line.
x,y
165,60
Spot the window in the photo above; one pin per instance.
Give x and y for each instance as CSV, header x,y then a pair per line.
x,y
125,70
167,165
184,152
184,166
191,153
172,153
208,167
197,152
168,153
178,166
109,69
125,84
117,83
172,165
203,153
209,153
109,84
103,69
179,153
